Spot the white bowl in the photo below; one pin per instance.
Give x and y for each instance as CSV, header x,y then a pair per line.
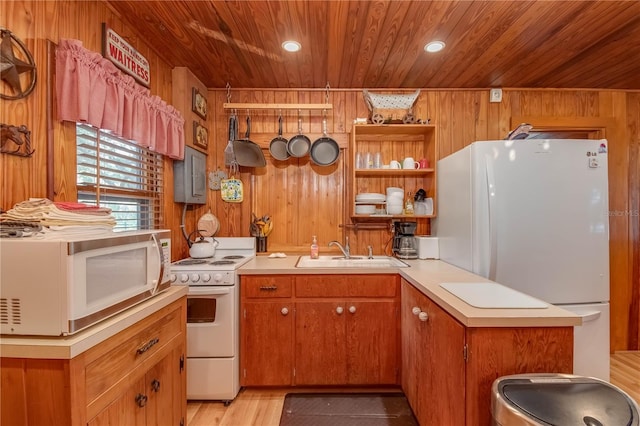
x,y
394,209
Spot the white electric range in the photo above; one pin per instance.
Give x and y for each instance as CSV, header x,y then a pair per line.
x,y
213,318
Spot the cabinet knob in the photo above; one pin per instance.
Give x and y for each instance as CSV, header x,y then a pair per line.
x,y
416,310
284,311
423,316
141,400
339,310
155,385
352,309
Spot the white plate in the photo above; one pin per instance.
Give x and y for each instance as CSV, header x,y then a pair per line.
x,y
370,195
370,199
365,209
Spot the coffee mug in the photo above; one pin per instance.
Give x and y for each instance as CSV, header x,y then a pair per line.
x,y
424,163
394,164
410,163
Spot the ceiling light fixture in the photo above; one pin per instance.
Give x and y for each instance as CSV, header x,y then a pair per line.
x,y
291,46
434,46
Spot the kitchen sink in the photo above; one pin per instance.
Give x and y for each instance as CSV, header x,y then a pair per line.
x,y
352,262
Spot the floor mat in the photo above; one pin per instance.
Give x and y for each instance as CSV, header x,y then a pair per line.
x,y
346,409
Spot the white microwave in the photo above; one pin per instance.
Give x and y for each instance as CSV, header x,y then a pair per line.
x,y
52,286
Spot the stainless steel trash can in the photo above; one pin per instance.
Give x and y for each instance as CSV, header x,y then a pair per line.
x,y
560,400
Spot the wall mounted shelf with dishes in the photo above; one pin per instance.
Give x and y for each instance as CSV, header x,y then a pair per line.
x,y
393,142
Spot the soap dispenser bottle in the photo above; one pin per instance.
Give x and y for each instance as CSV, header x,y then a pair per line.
x,y
314,248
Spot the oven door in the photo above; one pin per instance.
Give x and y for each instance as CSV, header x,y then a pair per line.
x,y
211,321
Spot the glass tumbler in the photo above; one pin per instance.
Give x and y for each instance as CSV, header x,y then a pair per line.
x,y
377,160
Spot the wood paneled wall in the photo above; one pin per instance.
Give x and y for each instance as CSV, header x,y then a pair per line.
x,y
302,198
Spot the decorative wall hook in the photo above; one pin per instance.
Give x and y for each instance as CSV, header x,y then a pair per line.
x,y
15,140
15,59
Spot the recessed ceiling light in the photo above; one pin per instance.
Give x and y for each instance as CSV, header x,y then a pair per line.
x,y
434,46
291,46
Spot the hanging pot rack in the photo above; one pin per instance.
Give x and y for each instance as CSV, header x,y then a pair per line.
x,y
229,105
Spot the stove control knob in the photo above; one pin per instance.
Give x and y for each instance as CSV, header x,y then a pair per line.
x,y
184,278
206,278
173,278
195,278
217,278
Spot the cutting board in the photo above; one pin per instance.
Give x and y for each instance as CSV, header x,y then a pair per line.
x,y
492,296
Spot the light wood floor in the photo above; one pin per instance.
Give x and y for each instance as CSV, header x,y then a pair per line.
x,y
263,406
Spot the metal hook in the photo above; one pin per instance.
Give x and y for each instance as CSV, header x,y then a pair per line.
x,y
228,92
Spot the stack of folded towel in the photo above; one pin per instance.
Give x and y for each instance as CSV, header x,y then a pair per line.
x,y
61,216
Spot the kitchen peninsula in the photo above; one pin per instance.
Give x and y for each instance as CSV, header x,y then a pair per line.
x,y
395,326
93,376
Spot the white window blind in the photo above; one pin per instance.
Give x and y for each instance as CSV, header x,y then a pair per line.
x,y
120,175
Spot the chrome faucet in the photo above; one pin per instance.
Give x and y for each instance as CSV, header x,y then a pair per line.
x,y
345,249
370,248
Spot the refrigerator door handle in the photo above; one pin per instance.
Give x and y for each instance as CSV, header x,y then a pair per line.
x,y
493,240
590,316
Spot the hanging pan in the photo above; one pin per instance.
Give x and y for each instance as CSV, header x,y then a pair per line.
x,y
278,145
247,152
325,150
298,145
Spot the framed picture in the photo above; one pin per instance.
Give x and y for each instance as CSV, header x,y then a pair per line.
x,y
198,103
200,135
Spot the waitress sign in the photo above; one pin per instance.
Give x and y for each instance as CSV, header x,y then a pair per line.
x,y
121,53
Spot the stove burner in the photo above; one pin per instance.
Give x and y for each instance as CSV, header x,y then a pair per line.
x,y
222,262
234,256
191,262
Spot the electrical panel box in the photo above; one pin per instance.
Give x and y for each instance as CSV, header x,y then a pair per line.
x,y
190,178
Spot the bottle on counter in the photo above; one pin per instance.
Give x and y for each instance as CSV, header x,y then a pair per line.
x,y
408,206
314,248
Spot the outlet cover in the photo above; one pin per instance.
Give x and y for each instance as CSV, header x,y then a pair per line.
x,y
495,95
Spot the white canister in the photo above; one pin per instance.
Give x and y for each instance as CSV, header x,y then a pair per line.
x,y
428,247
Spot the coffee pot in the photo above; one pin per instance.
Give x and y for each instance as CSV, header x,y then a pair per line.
x,y
404,242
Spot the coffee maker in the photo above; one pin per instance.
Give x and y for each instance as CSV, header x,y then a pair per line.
x,y
404,242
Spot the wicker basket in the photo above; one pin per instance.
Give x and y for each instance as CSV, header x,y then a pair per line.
x,y
389,108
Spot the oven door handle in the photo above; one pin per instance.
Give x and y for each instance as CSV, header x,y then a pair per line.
x,y
207,291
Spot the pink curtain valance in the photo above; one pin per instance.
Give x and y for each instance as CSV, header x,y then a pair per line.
x,y
91,89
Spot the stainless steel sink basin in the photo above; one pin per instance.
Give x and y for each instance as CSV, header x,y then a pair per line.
x,y
352,262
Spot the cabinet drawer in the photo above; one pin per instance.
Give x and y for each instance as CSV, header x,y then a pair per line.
x,y
129,349
266,286
356,285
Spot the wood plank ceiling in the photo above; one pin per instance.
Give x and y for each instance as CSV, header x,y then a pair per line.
x,y
379,44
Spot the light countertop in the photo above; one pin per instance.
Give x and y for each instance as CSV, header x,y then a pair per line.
x,y
71,346
426,276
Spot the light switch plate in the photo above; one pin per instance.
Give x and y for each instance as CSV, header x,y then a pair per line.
x,y
495,95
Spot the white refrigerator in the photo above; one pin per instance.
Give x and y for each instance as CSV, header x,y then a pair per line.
x,y
532,214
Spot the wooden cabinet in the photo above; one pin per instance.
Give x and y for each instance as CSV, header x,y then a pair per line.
x,y
448,369
393,142
136,377
432,359
156,398
266,337
345,328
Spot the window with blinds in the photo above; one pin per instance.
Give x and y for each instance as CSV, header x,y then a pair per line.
x,y
120,175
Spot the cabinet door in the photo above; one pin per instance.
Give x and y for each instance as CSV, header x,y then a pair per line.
x,y
163,386
372,342
128,409
320,343
433,349
410,345
266,353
